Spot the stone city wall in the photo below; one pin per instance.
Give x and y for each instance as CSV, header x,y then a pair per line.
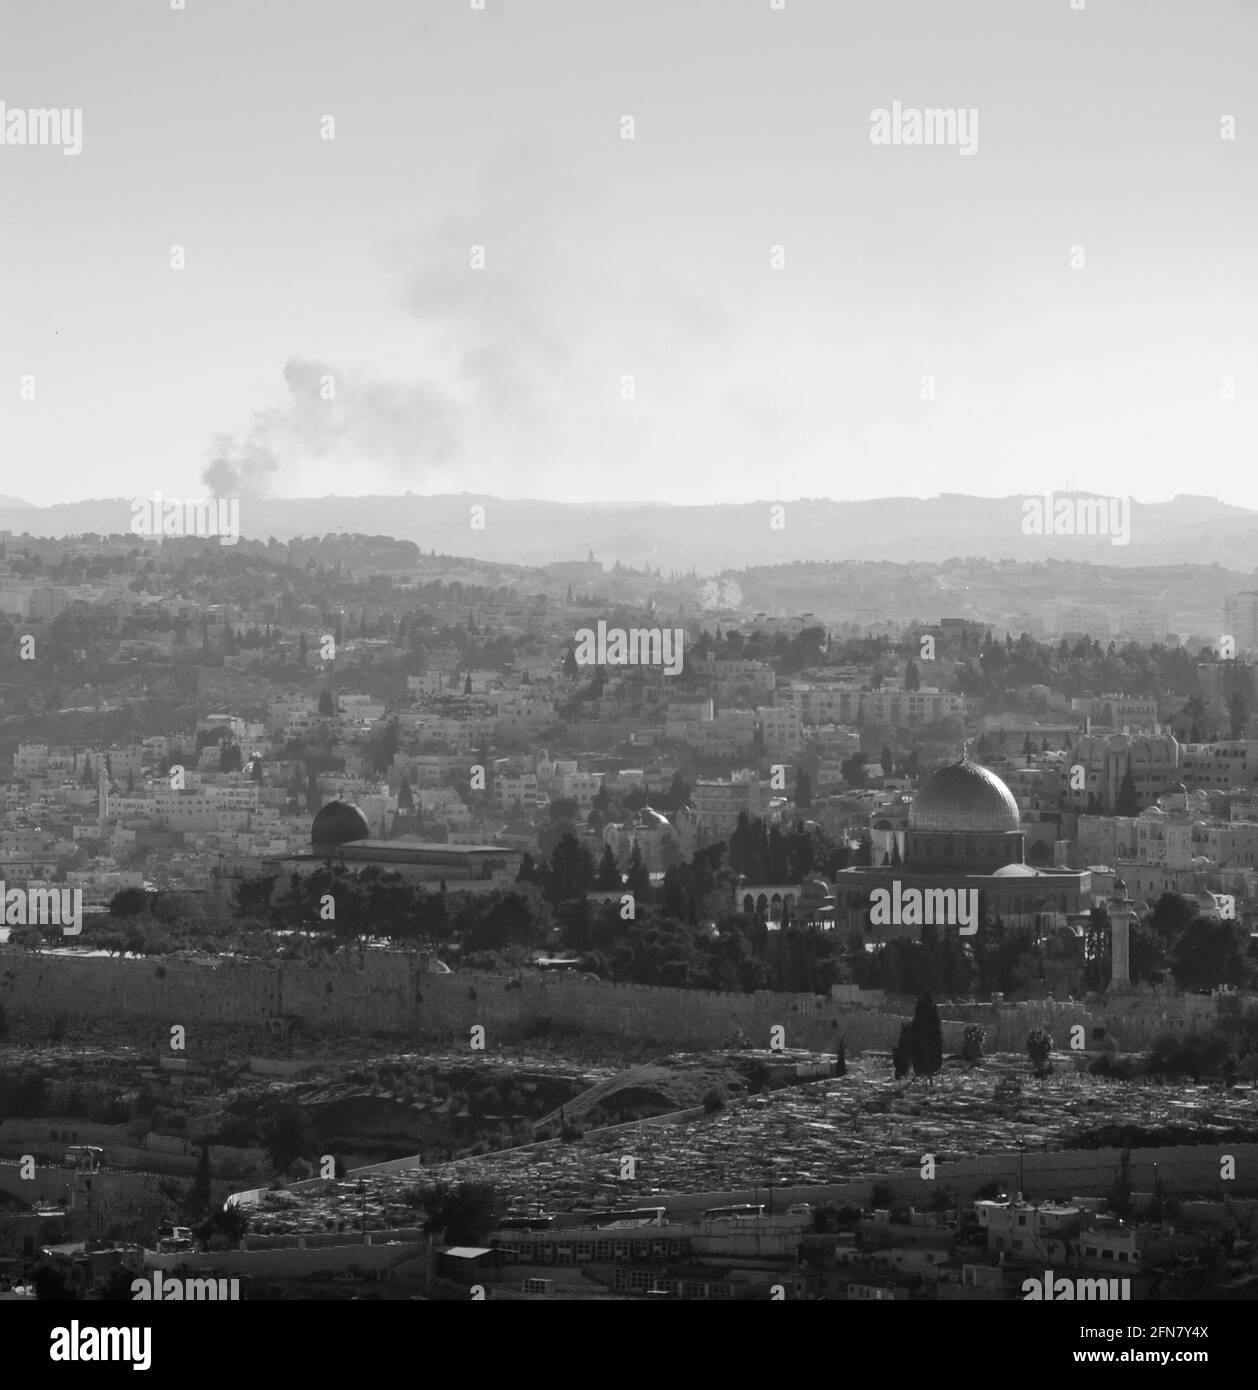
x,y
51,1184
391,993
1135,1021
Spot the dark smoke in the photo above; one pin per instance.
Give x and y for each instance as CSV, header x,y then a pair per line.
x,y
516,394
242,467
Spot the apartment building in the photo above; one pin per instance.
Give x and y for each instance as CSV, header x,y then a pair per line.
x,y
523,708
581,787
1137,713
512,789
782,730
1153,759
683,712
1228,764
732,678
834,740
30,760
717,804
1178,841
196,808
728,734
924,706
1106,839
1240,621
818,703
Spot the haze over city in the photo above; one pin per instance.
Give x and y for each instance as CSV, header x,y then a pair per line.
x,y
650,258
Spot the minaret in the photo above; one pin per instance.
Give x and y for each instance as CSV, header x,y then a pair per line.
x,y
102,800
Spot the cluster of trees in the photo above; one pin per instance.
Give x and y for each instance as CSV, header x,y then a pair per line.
x,y
972,1041
1000,958
791,653
688,939
991,667
768,854
571,872
344,907
1197,952
1039,1051
738,955
1229,1050
465,1212
1174,943
684,932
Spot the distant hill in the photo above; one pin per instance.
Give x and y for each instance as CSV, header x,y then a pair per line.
x,y
714,537
1014,596
12,502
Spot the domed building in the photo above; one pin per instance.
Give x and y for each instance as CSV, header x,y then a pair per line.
x,y
965,834
815,906
340,833
338,823
964,814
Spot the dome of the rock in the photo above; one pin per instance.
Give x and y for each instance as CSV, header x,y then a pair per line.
x,y
964,797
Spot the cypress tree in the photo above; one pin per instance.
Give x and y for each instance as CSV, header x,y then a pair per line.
x,y
199,1198
926,1035
1127,803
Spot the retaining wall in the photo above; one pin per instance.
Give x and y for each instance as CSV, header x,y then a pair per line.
x,y
1061,1174
289,1263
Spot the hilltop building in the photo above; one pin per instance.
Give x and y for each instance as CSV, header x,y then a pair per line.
x,y
964,833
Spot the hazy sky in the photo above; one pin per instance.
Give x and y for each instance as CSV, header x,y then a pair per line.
x,y
650,258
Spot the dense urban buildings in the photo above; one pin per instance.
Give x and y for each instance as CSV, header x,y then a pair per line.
x,y
443,832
